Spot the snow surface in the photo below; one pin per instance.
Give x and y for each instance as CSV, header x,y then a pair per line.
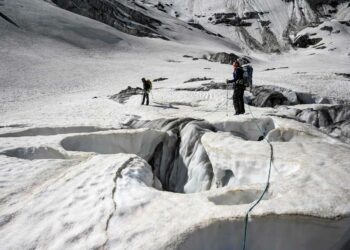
x,y
72,178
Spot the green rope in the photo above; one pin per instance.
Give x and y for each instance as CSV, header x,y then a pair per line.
x,y
266,187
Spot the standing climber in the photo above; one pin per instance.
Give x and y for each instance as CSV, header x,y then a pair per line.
x,y
239,87
147,87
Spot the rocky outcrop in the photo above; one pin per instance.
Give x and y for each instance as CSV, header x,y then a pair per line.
x,y
198,79
316,4
304,41
123,17
223,57
200,27
230,19
253,14
345,75
125,94
347,23
160,79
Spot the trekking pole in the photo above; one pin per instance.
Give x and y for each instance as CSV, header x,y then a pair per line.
x,y
152,96
226,99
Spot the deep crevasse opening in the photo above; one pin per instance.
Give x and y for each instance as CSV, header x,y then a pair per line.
x,y
174,149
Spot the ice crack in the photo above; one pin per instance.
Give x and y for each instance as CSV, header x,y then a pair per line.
x,y
115,180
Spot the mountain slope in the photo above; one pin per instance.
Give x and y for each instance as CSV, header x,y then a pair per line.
x,y
265,25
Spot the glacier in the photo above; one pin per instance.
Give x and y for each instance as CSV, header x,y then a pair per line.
x,y
82,169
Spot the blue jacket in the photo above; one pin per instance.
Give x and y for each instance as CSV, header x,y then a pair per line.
x,y
237,75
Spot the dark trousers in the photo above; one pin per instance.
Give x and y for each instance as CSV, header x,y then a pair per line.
x,y
145,97
238,101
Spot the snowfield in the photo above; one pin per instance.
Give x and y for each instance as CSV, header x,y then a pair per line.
x,y
78,170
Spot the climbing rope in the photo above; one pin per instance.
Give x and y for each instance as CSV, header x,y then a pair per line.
x,y
266,186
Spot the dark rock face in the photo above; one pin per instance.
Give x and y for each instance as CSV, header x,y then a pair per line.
x,y
333,120
347,23
230,19
305,41
224,15
113,13
253,14
198,79
224,58
315,4
200,27
160,79
346,75
269,69
125,94
327,28
160,7
264,97
265,23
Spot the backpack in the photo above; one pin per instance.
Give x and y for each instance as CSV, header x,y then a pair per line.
x,y
247,75
148,85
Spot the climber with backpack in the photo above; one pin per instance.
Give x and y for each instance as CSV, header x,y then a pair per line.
x,y
248,76
147,87
242,78
239,87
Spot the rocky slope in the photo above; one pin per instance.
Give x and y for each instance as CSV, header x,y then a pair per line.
x,y
268,26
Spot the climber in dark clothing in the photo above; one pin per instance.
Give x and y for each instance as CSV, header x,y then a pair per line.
x,y
147,86
238,94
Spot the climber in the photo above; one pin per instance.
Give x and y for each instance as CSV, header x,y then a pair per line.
x,y
239,87
147,87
